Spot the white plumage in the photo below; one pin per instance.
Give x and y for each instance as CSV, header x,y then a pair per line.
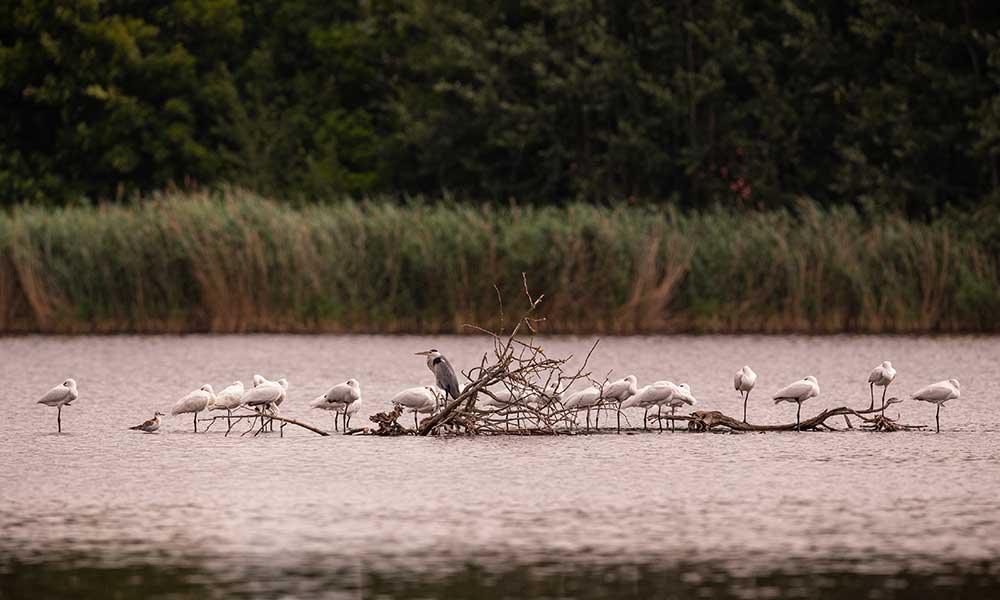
x,y
798,392
230,397
343,398
939,393
648,397
419,399
881,376
195,402
744,381
60,396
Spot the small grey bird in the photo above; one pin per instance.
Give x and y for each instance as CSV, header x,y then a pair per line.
x,y
443,373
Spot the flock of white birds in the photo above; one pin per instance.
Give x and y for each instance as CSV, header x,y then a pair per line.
x,y
344,399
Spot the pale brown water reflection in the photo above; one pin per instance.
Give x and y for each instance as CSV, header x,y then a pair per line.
x,y
287,515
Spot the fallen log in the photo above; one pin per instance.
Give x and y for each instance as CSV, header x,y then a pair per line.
x,y
706,420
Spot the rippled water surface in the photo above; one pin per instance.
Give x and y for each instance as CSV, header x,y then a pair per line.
x,y
100,509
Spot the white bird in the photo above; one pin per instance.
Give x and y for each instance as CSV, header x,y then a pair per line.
x,y
195,402
648,397
798,392
419,399
60,396
505,400
266,395
229,398
743,382
585,398
620,391
680,396
342,398
881,376
938,393
150,425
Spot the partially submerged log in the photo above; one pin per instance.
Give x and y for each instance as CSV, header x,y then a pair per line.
x,y
707,420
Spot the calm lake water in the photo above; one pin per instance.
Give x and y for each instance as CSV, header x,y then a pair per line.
x,y
101,511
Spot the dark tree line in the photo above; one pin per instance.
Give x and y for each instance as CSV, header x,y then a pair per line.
x,y
752,103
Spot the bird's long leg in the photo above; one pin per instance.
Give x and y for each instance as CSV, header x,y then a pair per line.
x,y
196,422
59,418
588,418
745,398
883,398
937,418
414,420
619,417
798,414
229,419
348,423
645,417
659,416
871,388
597,418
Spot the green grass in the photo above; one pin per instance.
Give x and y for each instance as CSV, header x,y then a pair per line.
x,y
234,262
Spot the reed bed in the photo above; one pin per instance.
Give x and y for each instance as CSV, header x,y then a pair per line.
x,y
234,262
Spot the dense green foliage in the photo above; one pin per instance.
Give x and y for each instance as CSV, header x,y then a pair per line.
x,y
242,263
865,102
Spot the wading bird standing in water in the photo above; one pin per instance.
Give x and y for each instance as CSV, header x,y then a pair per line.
x,y
443,373
265,396
620,391
680,395
419,400
151,425
341,398
60,396
229,398
881,376
744,381
798,392
197,401
648,397
585,398
938,393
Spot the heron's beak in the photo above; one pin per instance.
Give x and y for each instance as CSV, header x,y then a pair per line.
x,y
424,353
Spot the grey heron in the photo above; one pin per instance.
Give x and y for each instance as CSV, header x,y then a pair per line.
x,y
743,382
195,402
881,376
938,393
60,396
150,425
443,372
798,392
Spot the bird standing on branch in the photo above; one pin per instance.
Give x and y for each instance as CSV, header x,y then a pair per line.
x,y
444,374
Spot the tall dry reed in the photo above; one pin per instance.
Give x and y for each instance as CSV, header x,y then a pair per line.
x,y
234,262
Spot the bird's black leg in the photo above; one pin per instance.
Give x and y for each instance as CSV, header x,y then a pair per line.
x,y
619,417
883,399
196,422
59,418
937,418
645,419
798,414
659,416
745,398
871,388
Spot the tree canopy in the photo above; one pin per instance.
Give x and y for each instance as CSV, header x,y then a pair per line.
x,y
752,103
